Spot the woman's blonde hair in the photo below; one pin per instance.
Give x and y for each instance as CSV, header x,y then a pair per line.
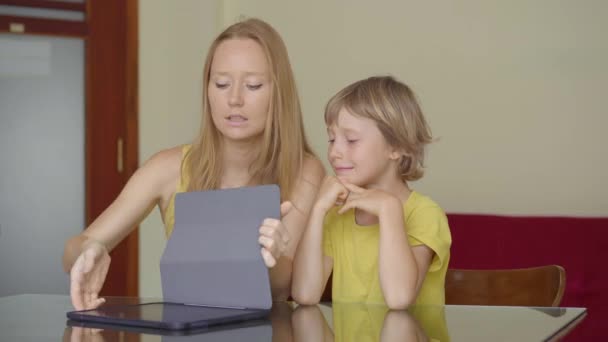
x,y
283,145
393,107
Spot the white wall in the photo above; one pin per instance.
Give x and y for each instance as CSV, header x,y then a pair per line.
x,y
173,41
514,90
42,139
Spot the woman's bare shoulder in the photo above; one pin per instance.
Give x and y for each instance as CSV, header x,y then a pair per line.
x,y
164,166
313,170
167,157
308,183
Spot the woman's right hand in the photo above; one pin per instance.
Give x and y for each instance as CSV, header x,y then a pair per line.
x,y
88,275
82,334
85,255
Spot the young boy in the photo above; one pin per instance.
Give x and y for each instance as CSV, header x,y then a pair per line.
x,y
385,242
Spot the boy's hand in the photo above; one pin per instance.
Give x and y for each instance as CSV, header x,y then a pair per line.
x,y
369,200
332,193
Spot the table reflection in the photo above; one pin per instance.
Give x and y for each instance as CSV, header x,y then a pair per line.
x,y
288,322
36,317
360,322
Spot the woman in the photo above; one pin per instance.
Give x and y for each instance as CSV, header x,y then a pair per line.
x,y
251,133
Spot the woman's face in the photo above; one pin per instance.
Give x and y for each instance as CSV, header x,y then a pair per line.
x,y
239,89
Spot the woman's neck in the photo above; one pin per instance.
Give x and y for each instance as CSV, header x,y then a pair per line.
x,y
237,158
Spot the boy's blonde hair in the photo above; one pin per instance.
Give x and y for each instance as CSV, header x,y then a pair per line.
x,y
283,146
393,107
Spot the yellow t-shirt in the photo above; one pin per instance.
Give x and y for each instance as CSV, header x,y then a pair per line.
x,y
184,180
354,250
365,322
357,322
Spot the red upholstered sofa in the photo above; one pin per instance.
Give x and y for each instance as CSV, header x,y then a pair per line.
x,y
580,245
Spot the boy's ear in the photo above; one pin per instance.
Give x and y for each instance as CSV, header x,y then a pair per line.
x,y
396,154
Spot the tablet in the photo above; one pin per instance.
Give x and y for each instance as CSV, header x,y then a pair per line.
x,y
166,316
212,271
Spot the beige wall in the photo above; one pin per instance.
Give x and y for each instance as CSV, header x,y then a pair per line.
x,y
174,36
512,89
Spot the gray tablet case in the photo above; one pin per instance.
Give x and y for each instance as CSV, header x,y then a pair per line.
x,y
212,260
213,256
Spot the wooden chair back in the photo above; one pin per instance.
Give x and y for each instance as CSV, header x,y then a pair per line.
x,y
536,286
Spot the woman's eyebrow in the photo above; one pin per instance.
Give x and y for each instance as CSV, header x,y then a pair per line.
x,y
246,73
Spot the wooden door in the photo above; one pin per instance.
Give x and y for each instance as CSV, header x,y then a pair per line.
x,y
109,30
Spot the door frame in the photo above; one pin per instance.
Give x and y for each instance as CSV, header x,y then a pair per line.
x,y
110,33
112,125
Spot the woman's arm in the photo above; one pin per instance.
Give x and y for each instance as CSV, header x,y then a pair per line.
x,y
157,177
86,255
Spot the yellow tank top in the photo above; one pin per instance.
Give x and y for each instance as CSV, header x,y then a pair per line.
x,y
184,180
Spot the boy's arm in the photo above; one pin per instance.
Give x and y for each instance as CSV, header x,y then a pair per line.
x,y
311,267
401,267
401,273
310,325
399,325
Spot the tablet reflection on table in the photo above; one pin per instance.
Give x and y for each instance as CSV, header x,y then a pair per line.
x,y
277,327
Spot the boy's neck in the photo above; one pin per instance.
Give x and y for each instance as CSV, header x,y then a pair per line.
x,y
399,189
395,187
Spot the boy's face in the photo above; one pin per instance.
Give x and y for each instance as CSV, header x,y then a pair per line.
x,y
358,152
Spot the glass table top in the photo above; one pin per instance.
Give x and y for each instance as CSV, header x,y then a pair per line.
x,y
43,317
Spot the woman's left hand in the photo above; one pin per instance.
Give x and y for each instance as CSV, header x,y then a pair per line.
x,y
274,237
